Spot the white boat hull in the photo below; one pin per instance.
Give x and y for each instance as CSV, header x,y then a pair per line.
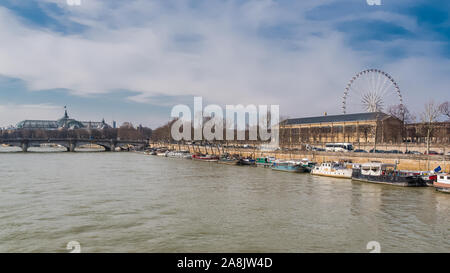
x,y
333,173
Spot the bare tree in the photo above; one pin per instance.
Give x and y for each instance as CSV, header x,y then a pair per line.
x,y
429,116
444,109
401,112
163,133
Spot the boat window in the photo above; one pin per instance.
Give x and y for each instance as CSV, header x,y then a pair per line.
x,y
441,177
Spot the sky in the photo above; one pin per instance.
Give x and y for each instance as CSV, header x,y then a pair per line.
x,y
134,60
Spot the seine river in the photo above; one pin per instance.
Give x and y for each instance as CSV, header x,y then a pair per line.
x,y
129,202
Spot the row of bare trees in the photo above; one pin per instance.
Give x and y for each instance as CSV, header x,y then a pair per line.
x,y
428,119
431,111
431,115
163,133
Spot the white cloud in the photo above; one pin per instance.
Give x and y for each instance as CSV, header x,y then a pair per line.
x,y
425,79
169,48
11,114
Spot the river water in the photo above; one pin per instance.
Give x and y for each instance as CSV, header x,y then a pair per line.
x,y
129,202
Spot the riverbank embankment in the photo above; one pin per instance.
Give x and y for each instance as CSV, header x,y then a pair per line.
x,y
411,162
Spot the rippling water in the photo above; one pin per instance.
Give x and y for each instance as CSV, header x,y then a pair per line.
x,y
129,202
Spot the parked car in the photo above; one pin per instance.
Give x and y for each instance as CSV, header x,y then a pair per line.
x,y
377,151
360,151
394,152
431,153
413,152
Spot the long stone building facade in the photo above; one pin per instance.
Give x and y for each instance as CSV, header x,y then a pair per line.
x,y
353,128
361,128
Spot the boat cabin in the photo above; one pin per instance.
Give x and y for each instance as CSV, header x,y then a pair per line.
x,y
267,159
286,163
377,169
443,178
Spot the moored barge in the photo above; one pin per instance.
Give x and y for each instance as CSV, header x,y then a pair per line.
x,y
265,162
228,160
246,162
179,154
308,165
442,183
382,173
205,158
428,178
288,166
332,170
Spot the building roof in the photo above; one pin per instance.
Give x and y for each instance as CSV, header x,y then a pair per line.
x,y
64,122
38,124
339,118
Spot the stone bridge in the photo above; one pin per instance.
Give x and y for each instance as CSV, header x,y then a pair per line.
x,y
71,143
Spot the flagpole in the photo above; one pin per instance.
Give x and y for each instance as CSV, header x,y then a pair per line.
x,y
445,163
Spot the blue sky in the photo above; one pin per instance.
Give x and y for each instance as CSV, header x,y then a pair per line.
x,y
133,60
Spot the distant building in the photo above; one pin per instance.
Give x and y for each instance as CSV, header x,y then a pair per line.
x,y
63,123
417,133
354,128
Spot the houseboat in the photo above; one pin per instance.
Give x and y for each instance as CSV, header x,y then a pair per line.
x,y
288,166
228,159
332,169
205,158
265,162
442,183
382,173
246,162
179,154
308,165
428,178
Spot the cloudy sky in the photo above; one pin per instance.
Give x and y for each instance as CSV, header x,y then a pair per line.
x,y
133,60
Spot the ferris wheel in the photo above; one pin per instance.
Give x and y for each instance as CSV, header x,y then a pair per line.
x,y
370,91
